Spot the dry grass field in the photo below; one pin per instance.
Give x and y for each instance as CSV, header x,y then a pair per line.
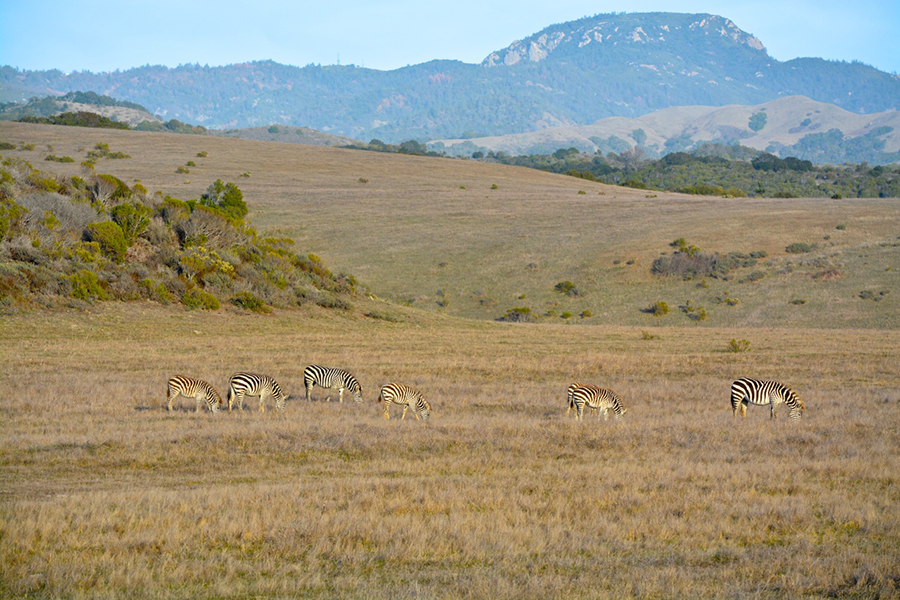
x,y
413,235
105,494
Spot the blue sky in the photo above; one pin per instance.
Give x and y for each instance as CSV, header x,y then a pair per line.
x,y
105,35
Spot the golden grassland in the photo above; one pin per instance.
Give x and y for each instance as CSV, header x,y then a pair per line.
x,y
106,494
433,233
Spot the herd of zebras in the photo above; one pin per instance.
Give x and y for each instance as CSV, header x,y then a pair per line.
x,y
744,391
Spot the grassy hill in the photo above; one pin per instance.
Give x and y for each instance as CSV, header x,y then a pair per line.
x,y
475,240
788,122
501,494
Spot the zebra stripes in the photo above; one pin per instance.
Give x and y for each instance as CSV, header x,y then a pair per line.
x,y
746,391
594,397
252,384
193,388
331,379
408,397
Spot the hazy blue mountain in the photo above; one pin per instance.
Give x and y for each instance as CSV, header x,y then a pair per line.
x,y
571,73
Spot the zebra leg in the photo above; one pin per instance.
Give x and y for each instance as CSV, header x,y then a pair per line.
x,y
772,410
199,397
171,397
308,390
579,411
605,412
341,395
405,408
262,402
387,414
240,401
415,413
743,410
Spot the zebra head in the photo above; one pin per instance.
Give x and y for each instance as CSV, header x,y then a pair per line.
x,y
279,402
357,393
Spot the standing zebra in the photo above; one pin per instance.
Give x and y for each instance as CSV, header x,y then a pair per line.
x,y
251,384
332,379
193,388
746,391
407,396
595,397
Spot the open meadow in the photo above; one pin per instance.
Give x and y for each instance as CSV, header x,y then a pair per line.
x,y
105,494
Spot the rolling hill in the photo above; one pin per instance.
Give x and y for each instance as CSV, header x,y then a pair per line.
x,y
568,74
475,240
791,126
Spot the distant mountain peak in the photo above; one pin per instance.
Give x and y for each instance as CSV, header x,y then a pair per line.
x,y
613,30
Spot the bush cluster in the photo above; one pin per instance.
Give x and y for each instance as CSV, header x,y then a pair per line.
x,y
73,239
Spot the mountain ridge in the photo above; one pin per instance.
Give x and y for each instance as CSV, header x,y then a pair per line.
x,y
629,73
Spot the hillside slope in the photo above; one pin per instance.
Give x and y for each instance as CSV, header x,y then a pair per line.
x,y
475,240
789,122
571,73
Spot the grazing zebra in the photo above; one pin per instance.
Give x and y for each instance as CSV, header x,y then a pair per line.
x,y
251,384
194,388
596,398
569,400
746,391
408,396
332,379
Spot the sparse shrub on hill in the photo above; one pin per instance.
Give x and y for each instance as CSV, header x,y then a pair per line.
x,y
799,248
658,309
518,315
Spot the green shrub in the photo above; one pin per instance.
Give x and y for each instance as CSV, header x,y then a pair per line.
x,y
157,291
738,346
182,170
586,314
799,248
112,186
190,163
110,237
494,186
10,213
841,227
59,159
566,315
248,301
203,154
227,197
133,218
658,309
798,301
754,276
567,287
199,299
7,146
86,286
646,335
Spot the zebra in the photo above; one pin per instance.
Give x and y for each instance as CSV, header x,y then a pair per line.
x,y
333,379
190,387
569,400
409,397
596,398
251,384
746,391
